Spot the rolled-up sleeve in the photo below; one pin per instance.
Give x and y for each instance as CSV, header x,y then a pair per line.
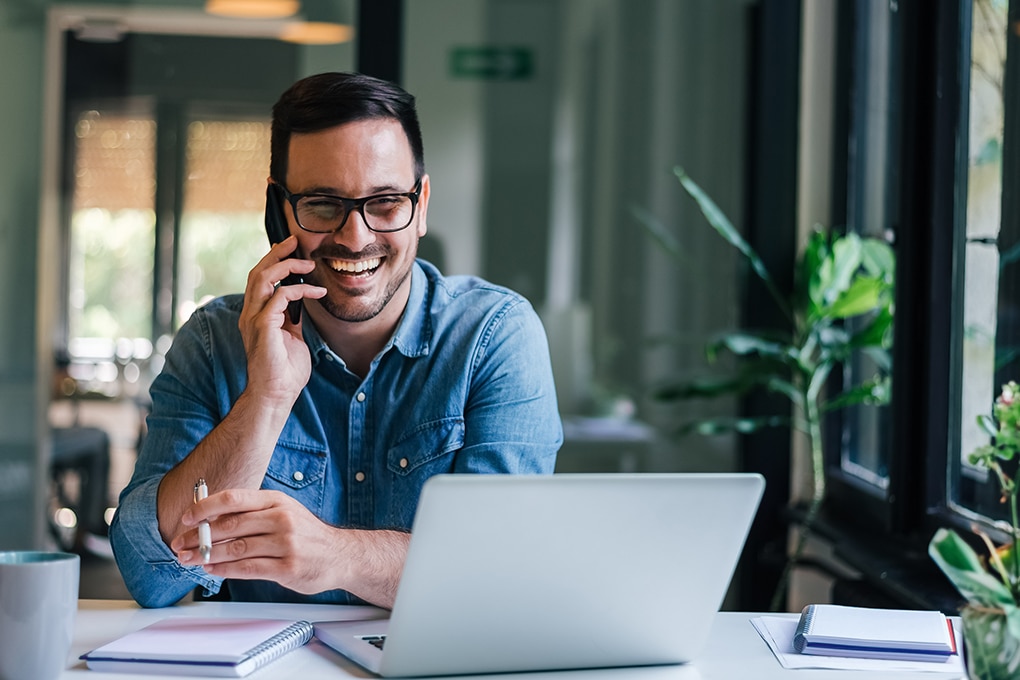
x,y
185,408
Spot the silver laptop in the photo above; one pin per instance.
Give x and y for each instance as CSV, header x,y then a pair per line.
x,y
567,571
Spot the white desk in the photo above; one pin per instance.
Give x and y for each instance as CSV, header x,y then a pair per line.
x,y
734,649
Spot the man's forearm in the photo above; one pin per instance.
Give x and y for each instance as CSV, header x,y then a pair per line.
x,y
375,561
234,455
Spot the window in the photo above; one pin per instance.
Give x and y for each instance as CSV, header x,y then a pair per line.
x,y
987,325
113,296
872,204
166,162
112,221
930,130
112,237
222,233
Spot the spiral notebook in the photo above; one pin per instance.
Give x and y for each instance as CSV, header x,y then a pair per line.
x,y
186,645
867,633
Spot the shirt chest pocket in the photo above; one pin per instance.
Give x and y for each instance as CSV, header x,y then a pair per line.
x,y
427,450
298,472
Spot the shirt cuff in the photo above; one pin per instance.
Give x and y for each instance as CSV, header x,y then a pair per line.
x,y
139,526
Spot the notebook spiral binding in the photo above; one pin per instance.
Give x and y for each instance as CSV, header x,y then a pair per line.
x,y
804,626
289,638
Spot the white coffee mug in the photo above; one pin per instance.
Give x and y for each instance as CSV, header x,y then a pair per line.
x,y
38,603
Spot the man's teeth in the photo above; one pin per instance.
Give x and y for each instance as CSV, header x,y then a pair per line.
x,y
354,267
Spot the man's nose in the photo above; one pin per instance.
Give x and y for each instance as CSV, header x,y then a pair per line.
x,y
354,232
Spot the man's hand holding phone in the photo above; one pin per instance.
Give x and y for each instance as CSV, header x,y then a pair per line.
x,y
278,358
278,232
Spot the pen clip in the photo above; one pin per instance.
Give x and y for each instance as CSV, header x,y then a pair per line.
x,y
201,491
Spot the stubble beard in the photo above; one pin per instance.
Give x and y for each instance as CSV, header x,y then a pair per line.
x,y
356,305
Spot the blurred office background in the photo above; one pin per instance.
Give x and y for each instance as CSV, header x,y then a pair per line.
x,y
135,139
141,131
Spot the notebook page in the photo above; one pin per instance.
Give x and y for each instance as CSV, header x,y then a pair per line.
x,y
878,626
188,638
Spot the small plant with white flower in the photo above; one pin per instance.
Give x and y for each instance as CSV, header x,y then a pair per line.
x,y
990,585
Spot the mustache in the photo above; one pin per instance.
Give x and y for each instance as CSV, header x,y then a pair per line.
x,y
336,251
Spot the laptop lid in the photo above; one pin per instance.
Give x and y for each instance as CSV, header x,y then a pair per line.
x,y
518,573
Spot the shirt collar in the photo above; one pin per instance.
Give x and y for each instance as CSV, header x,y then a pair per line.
x,y
414,331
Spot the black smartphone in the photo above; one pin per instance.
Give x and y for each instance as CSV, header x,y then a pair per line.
x,y
276,230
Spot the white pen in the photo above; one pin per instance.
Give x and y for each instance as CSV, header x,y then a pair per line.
x,y
204,536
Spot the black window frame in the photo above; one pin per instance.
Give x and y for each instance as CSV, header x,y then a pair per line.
x,y
930,233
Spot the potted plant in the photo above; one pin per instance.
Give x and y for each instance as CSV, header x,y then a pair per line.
x,y
839,278
991,587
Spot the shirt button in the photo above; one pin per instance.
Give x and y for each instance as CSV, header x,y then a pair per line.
x,y
298,476
403,462
329,357
361,396
360,476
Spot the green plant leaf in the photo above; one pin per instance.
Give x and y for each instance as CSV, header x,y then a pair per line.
x,y
787,388
961,565
947,546
744,344
878,260
877,333
1005,356
846,260
988,425
876,392
1013,623
881,357
717,218
863,295
818,378
663,236
833,337
701,388
816,252
993,643
756,375
983,455
715,426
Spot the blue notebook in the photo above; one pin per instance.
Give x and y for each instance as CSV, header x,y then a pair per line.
x,y
187,645
899,634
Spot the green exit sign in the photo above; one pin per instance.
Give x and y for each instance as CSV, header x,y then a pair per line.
x,y
491,63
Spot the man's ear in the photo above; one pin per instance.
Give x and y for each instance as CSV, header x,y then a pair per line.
x,y
423,206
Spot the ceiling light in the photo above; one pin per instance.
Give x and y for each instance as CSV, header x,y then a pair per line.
x,y
316,33
324,22
253,9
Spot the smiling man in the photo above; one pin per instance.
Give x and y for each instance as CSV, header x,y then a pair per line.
x,y
315,432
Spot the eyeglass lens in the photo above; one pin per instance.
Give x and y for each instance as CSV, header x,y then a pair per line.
x,y
382,213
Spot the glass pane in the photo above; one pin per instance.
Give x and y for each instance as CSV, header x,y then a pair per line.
x,y
222,227
112,229
872,206
987,255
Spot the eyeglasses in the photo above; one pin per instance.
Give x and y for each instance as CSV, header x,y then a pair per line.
x,y
326,213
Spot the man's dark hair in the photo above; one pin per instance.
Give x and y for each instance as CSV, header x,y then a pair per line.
x,y
327,100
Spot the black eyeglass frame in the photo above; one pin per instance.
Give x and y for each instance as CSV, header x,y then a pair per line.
x,y
351,204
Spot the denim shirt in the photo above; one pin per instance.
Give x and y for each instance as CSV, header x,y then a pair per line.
x,y
463,386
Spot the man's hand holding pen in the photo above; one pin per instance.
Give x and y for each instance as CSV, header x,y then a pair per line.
x,y
260,534
267,535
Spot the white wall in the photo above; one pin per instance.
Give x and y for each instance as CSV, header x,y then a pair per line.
x,y
450,112
639,86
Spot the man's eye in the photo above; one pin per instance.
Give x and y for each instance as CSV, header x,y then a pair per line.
x,y
321,208
385,204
